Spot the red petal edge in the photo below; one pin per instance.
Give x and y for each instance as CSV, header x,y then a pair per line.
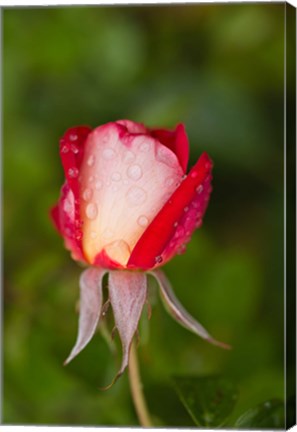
x,y
155,245
176,140
71,153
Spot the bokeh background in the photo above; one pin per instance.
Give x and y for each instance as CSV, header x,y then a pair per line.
x,y
217,68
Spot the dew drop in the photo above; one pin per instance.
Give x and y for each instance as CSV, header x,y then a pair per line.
x,y
169,181
68,204
116,176
136,196
186,209
87,194
74,149
73,172
158,259
193,174
199,189
78,235
98,185
145,147
128,156
115,188
134,172
179,232
91,211
118,250
108,153
73,137
91,179
165,156
65,149
142,221
175,224
198,223
91,160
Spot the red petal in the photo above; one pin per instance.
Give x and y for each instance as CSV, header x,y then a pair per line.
x,y
71,152
150,247
177,141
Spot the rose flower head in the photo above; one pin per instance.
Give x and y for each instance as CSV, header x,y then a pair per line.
x,y
127,207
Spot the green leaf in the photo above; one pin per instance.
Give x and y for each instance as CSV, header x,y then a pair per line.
x,y
209,400
268,415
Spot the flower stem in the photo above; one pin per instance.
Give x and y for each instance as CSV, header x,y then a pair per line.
x,y
136,389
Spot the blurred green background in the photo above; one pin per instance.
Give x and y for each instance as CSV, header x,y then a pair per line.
x,y
217,68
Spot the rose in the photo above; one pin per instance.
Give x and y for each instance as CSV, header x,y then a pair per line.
x,y
127,204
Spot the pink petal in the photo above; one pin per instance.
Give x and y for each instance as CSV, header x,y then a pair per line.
x,y
90,308
179,313
125,180
177,141
127,293
158,237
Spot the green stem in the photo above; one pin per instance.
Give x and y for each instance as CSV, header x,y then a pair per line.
x,y
136,389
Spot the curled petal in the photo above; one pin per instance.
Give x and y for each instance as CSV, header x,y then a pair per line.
x,y
127,293
179,313
157,243
177,141
90,308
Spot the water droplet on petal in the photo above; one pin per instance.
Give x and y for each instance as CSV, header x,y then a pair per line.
x,y
73,172
91,160
116,176
87,194
186,209
65,149
145,147
136,196
198,223
98,185
199,189
179,232
194,174
142,221
118,250
169,181
134,172
91,211
128,156
158,259
73,137
108,153
91,179
74,149
166,156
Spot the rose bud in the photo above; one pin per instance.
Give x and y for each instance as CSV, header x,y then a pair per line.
x,y
127,207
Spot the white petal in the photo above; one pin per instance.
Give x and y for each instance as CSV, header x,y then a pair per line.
x,y
127,293
90,308
179,313
126,180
